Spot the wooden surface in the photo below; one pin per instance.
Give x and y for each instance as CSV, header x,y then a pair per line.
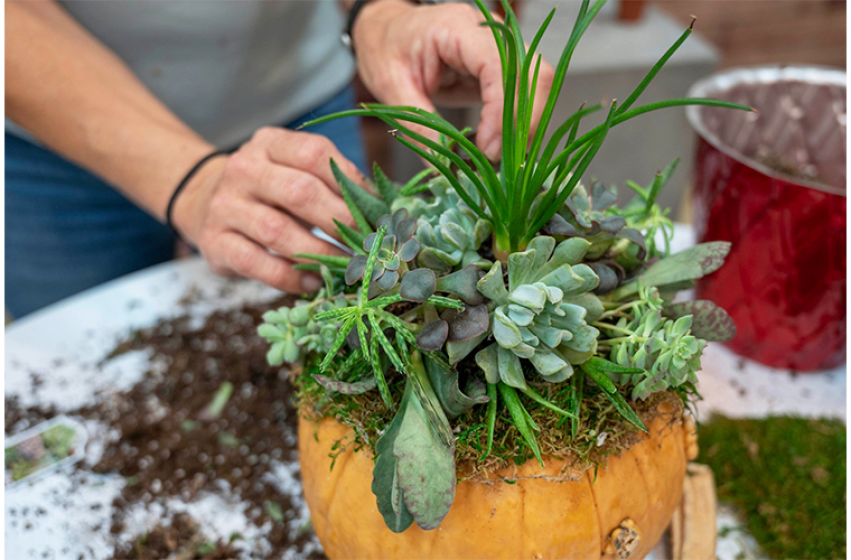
x,y
752,32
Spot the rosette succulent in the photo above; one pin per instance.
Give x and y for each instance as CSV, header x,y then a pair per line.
x,y
449,230
665,349
543,314
398,247
587,215
292,332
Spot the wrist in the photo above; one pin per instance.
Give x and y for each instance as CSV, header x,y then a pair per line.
x,y
375,14
188,212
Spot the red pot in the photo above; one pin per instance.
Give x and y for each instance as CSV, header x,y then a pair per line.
x,y
773,184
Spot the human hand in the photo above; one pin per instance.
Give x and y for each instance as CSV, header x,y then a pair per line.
x,y
413,55
266,196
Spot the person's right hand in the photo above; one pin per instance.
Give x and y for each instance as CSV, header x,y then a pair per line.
x,y
266,196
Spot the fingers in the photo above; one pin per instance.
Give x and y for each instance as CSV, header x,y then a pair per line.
x,y
311,153
246,258
406,92
302,195
472,50
276,230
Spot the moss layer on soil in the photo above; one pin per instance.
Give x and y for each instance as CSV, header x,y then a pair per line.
x,y
368,417
787,476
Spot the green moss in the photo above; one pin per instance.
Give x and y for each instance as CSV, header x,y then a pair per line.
x,y
787,475
368,417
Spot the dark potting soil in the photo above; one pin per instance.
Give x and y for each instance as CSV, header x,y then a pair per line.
x,y
172,445
179,539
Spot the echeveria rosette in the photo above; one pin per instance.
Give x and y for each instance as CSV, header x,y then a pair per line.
x,y
450,232
544,313
397,248
292,332
665,349
593,217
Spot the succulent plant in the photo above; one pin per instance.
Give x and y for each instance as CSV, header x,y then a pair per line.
x,y
414,305
449,230
587,215
542,315
293,332
397,248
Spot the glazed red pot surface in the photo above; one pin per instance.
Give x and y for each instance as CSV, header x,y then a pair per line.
x,y
773,184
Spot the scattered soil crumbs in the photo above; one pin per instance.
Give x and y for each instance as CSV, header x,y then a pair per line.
x,y
178,540
210,418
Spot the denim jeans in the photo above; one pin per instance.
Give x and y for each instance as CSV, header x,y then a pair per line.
x,y
67,230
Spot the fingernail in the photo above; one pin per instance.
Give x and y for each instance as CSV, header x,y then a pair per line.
x,y
310,283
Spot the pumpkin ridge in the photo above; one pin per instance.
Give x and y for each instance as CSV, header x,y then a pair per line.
x,y
600,529
327,513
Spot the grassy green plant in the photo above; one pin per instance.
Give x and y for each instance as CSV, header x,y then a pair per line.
x,y
529,167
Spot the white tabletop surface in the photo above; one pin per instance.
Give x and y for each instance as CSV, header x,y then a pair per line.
x,y
65,342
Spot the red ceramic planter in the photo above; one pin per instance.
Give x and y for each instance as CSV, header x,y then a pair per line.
x,y
773,184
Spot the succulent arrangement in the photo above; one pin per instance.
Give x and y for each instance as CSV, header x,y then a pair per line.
x,y
471,286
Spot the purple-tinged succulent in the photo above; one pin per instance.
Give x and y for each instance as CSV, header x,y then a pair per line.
x,y
586,215
397,249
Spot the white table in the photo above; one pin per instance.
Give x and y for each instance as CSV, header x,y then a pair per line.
x,y
65,343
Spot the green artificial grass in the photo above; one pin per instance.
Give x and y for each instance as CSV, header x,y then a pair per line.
x,y
787,476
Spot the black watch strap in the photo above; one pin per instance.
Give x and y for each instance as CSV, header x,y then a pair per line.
x,y
350,23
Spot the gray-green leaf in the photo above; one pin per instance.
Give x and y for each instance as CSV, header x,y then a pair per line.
x,y
709,322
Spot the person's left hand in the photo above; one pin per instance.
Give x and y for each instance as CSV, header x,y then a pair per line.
x,y
413,55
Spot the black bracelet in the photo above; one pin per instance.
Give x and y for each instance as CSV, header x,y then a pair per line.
x,y
171,201
350,23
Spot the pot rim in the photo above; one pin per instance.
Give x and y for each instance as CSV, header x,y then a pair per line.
x,y
720,81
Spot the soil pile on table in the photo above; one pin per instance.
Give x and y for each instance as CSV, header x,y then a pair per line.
x,y
209,418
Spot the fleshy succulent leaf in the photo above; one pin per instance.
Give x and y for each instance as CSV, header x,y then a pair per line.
x,y
690,264
710,322
637,238
453,400
409,249
425,467
433,336
355,268
353,388
457,351
492,285
609,279
385,476
462,283
469,323
418,285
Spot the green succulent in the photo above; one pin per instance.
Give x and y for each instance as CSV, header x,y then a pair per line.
x,y
292,332
449,230
588,215
543,314
664,348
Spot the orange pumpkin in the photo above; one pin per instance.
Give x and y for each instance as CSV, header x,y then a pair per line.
x,y
622,513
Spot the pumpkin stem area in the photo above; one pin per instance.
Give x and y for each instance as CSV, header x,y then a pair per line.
x,y
602,430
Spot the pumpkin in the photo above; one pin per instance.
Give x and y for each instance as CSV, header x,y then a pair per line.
x,y
620,514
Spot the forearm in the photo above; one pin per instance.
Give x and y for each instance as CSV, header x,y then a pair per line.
x,y
80,100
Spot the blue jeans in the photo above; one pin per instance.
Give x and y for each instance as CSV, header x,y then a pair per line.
x,y
67,230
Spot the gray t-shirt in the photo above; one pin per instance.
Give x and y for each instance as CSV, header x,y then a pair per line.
x,y
227,67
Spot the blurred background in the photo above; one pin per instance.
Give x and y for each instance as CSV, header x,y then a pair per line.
x,y
625,41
